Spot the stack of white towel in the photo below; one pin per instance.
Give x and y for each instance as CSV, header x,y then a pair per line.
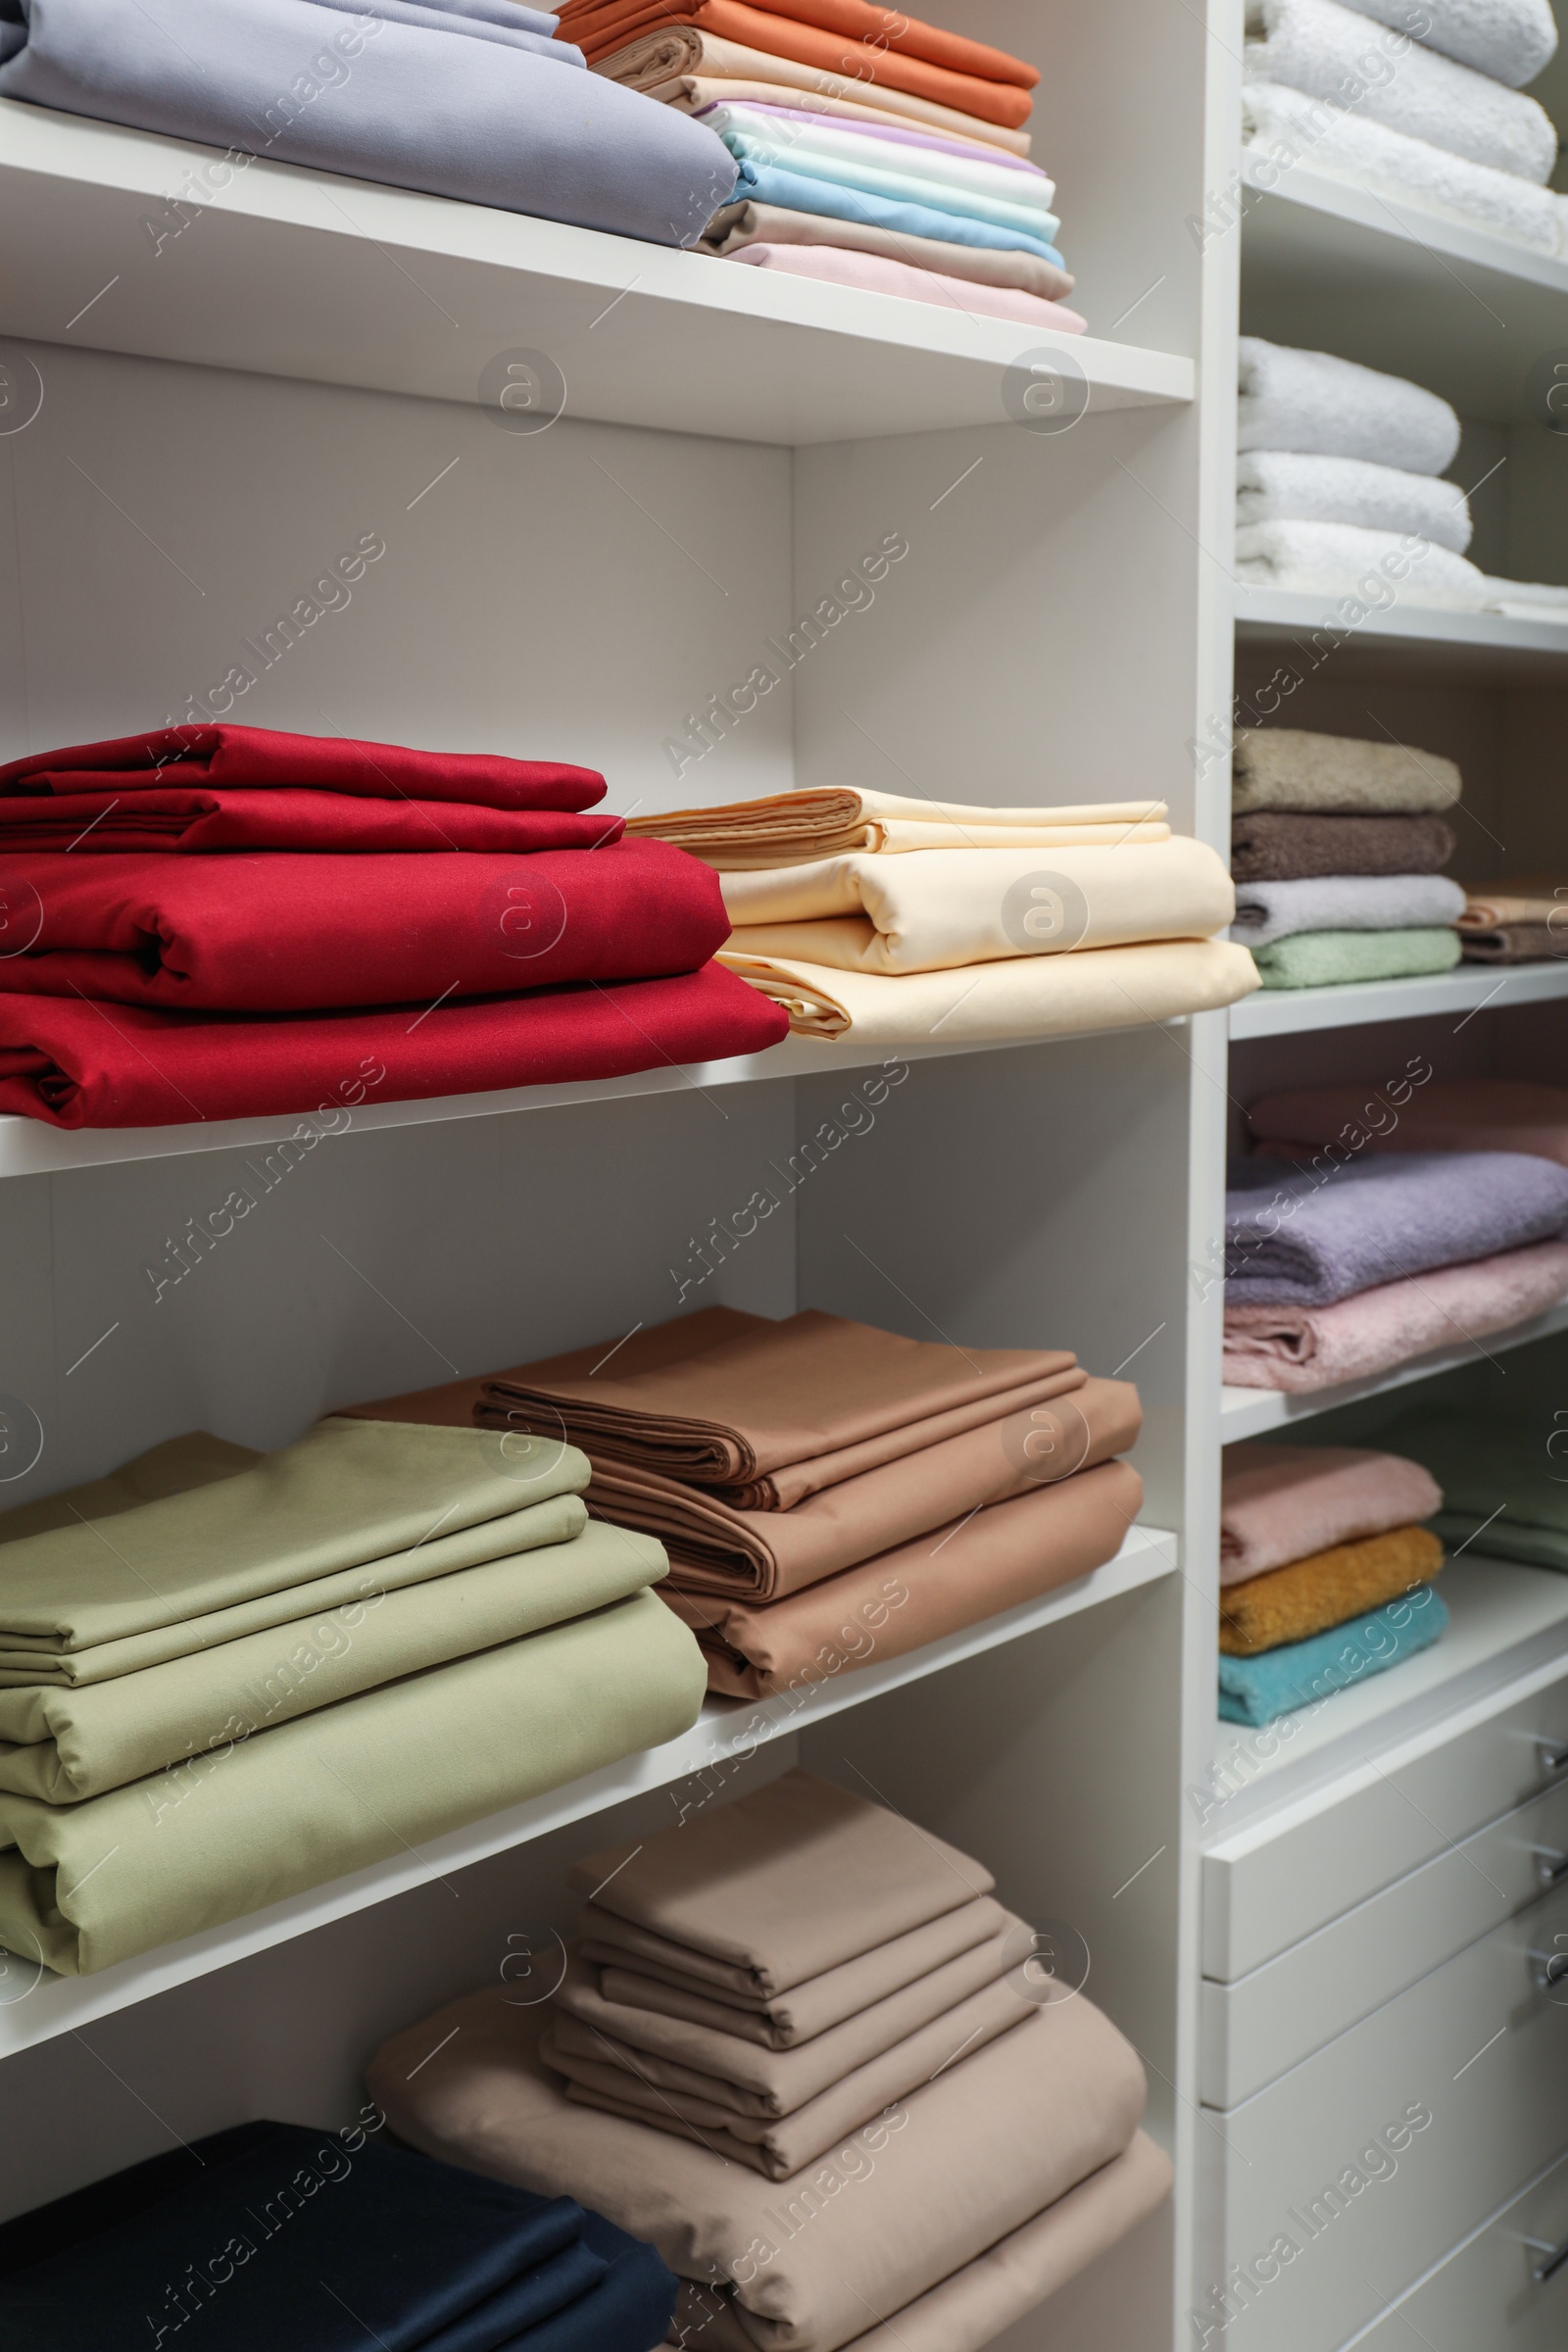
x,y
1440,121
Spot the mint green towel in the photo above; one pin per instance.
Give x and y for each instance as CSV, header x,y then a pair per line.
x,y
1507,1479
1331,958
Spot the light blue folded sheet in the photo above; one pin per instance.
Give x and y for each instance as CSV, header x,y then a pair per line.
x,y
1298,1673
761,184
879,179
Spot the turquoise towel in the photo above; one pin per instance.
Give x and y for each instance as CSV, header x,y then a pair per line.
x,y
880,179
1257,1690
760,184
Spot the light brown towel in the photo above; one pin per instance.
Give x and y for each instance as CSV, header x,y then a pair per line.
x,y
1516,942
1457,1114
796,829
1289,1605
1280,1504
1286,768
1523,899
736,225
952,1577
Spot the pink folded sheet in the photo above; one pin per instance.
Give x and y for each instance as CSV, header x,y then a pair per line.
x,y
874,275
1462,1114
1280,1504
1299,1349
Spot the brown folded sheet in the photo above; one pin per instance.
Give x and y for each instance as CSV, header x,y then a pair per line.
x,y
634,1975
954,1577
1272,847
1286,1604
981,2301
962,2165
607,2076
720,1398
739,1888
764,1555
1515,943
1445,1114
1280,1504
739,225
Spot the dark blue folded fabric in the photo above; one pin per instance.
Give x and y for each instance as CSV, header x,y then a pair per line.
x,y
276,2239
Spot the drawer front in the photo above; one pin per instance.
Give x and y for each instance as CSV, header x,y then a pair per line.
x,y
1346,2179
1266,1889
1282,2012
1486,2297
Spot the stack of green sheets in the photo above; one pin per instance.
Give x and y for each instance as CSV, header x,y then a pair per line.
x,y
225,1676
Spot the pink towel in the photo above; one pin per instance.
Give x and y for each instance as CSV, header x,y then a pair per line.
x,y
875,275
1464,1115
1280,1504
1301,1348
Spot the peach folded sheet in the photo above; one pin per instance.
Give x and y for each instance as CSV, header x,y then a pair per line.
x,y
797,828
1280,1504
872,273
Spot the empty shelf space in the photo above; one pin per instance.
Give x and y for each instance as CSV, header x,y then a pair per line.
x,y
1470,988
1424,642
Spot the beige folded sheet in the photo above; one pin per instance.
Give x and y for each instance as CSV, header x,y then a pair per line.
x,y
939,909
1288,767
796,829
1026,997
737,225
691,92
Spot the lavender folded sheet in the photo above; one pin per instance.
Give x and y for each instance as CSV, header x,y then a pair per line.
x,y
1280,1504
1270,846
1298,1238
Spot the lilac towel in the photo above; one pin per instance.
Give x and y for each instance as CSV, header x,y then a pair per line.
x,y
1295,1237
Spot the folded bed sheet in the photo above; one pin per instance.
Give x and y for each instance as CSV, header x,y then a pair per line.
x,y
683,65
1258,1689
1267,912
738,228
902,169
1335,958
1314,401
1289,768
800,828
803,191
1273,844
186,818
872,273
1280,1504
1289,486
900,145
1312,1595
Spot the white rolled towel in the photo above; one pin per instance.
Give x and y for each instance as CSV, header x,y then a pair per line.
x,y
1270,910
1508,39
1329,408
1340,559
1291,129
1282,486
1331,51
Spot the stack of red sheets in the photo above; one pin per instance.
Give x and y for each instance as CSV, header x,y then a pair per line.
x,y
211,922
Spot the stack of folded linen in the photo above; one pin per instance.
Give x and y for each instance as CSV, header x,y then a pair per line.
x,y
875,151
1337,1276
1463,1114
1439,121
1502,1491
474,99
211,884
1335,844
414,2255
285,1667
1522,921
1325,1574
829,1495
892,921
879,2123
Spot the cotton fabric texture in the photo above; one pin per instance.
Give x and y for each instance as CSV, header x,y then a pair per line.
x,y
1289,769
737,228
185,820
958,160
871,274
1508,39
1501,1484
1447,1114
1258,1689
800,191
905,166
1280,1504
685,67
800,828
1271,844
460,111
1335,958
1284,486
1267,912
1344,559
1312,1594
1313,402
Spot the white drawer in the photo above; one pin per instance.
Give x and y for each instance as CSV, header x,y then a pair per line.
x,y
1289,1873
1279,2014
1487,2296
1327,2223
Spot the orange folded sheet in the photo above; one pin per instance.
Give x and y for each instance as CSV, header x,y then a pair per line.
x,y
883,48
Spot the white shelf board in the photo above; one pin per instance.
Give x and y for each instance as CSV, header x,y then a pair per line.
x,y
1424,642
293,273
1468,988
1254,1412
1332,264
35,2005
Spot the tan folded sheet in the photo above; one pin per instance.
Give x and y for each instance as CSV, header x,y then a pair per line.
x,y
681,50
964,2163
883,1609
762,1555
1011,2279
635,1972
1027,997
939,909
1286,768
721,1398
691,92
606,2075
736,225
795,828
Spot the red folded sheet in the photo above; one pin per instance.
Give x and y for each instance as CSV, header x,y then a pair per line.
x,y
269,932
250,759
188,817
78,1064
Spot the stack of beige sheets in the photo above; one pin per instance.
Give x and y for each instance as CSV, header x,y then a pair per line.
x,y
227,1677
880,2122
894,920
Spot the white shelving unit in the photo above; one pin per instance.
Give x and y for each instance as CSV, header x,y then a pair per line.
x,y
1471,988
1254,1412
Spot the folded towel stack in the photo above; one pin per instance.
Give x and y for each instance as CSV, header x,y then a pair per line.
x,y
874,151
826,2019
1521,921
1325,1574
1440,121
1464,1115
1502,1491
286,1667
412,2254
1340,1272
212,884
828,1493
1335,844
894,922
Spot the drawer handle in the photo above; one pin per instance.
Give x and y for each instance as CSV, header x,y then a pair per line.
x,y
1551,1868
1554,1755
1551,1970
1556,2258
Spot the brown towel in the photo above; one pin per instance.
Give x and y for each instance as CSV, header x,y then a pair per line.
x,y
954,1577
1286,1604
1272,847
1515,943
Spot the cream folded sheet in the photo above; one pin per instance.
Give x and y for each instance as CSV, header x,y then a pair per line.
x,y
1020,997
939,909
797,828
